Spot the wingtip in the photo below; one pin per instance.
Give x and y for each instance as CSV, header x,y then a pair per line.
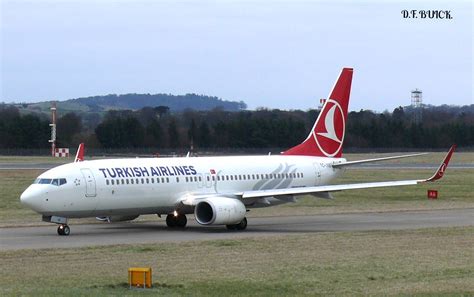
x,y
442,167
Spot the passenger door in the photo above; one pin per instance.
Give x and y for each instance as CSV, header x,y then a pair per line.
x,y
90,182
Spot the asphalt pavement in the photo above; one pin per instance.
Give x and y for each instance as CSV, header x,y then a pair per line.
x,y
103,234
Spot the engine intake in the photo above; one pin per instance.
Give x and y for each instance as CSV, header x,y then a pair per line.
x,y
219,211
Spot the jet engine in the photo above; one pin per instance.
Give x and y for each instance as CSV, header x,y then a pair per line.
x,y
113,219
219,211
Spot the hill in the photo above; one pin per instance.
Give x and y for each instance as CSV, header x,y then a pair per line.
x,y
176,103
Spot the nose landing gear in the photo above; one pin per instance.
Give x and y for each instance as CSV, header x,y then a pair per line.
x,y
64,230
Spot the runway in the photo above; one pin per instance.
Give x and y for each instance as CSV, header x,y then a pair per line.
x,y
157,232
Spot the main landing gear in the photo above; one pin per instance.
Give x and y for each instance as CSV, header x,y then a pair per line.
x,y
176,220
64,230
240,226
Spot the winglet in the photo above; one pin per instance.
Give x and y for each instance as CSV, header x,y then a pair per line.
x,y
80,153
442,168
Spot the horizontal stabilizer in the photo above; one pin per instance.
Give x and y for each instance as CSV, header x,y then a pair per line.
x,y
350,163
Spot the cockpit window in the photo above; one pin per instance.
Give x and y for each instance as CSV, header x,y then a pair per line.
x,y
47,181
43,181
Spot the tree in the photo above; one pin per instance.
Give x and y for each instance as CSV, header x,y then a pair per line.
x,y
154,134
162,110
173,134
204,139
67,126
192,131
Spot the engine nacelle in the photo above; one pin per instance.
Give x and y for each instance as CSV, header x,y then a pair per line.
x,y
219,211
117,218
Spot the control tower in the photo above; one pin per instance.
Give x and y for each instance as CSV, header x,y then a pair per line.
x,y
417,105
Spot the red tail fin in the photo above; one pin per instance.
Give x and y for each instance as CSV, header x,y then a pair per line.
x,y
80,153
327,135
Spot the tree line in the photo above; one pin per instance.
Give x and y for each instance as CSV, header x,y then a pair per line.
x,y
218,129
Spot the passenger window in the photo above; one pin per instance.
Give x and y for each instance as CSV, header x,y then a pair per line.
x,y
112,181
152,180
162,179
127,181
167,179
147,180
123,182
137,181
177,179
107,182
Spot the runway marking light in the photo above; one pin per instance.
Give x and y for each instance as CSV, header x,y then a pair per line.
x,y
139,277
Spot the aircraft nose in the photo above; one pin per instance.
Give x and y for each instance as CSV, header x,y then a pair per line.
x,y
30,199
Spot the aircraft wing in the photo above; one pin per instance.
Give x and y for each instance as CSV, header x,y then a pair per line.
x,y
332,188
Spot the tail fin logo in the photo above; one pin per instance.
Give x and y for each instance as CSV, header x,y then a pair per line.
x,y
329,134
442,169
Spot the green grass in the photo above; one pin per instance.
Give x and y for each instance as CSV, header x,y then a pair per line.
x,y
431,158
426,262
35,159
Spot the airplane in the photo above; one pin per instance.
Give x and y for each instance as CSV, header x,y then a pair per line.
x,y
217,190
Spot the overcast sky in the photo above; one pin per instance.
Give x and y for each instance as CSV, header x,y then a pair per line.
x,y
277,54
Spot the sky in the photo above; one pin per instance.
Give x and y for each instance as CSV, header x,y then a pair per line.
x,y
274,54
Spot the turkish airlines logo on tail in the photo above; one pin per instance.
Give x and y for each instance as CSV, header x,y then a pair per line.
x,y
329,134
441,170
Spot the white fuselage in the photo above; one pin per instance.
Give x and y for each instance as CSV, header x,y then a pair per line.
x,y
158,185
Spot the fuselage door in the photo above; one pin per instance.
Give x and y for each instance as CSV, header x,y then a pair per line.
x,y
90,182
317,171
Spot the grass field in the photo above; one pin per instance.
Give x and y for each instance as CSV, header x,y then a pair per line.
x,y
429,262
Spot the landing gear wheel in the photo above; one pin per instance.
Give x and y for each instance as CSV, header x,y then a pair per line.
x,y
64,230
181,221
242,225
170,221
176,221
